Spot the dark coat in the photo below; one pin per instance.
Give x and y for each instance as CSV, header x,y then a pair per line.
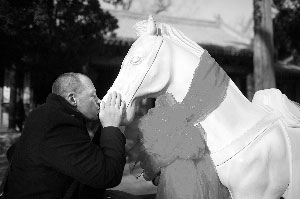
x,y
55,153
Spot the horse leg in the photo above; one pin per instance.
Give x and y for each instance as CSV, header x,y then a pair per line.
x,y
261,170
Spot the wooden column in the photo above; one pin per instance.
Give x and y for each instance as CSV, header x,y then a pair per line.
x,y
250,86
264,76
27,92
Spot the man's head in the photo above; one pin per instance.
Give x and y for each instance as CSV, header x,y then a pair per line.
x,y
80,92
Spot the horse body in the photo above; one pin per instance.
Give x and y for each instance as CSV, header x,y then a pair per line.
x,y
249,143
228,129
260,170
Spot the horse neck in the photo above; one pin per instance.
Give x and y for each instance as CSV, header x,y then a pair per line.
x,y
235,115
182,70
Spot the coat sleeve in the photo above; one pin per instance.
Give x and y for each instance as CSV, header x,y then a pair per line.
x,y
69,150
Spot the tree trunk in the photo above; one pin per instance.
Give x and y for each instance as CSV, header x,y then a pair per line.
x,y
264,75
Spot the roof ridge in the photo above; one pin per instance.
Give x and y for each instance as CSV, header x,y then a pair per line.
x,y
166,19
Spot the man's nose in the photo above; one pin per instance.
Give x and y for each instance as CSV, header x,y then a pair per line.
x,y
98,101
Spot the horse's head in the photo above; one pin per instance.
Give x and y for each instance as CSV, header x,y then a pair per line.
x,y
148,68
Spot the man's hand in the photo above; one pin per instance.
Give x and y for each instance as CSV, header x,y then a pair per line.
x,y
111,111
155,180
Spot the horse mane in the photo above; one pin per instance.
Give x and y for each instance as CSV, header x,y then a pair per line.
x,y
181,39
148,27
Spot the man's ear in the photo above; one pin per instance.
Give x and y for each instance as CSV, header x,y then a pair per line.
x,y
72,99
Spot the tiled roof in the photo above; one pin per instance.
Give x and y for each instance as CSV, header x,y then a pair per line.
x,y
227,50
213,33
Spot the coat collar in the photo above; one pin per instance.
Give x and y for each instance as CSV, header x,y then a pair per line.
x,y
64,105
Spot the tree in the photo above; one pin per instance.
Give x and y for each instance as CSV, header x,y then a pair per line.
x,y
48,37
72,33
287,30
124,3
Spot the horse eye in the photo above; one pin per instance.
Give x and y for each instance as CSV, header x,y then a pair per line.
x,y
137,59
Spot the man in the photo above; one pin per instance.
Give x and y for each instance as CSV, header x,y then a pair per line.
x,y
55,156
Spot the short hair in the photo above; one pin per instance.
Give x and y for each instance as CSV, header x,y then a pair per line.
x,y
66,83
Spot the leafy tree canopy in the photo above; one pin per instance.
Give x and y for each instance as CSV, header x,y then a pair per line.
x,y
287,30
48,37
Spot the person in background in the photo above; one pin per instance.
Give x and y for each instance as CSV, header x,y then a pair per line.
x,y
19,113
55,156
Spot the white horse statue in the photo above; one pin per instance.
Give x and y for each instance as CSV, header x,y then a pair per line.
x,y
255,146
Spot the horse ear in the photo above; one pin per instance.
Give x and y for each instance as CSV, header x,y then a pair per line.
x,y
151,29
145,27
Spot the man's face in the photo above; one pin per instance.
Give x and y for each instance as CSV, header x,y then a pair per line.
x,y
87,100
